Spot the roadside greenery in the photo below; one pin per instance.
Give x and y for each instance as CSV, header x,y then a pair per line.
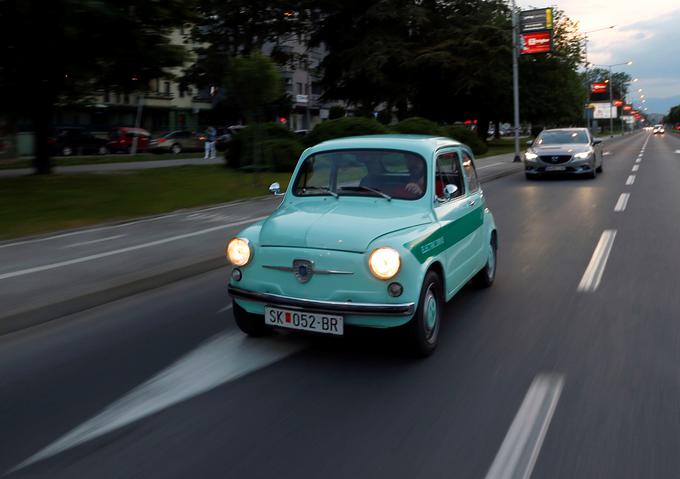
x,y
70,201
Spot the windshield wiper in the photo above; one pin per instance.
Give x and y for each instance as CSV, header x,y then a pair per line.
x,y
368,188
322,188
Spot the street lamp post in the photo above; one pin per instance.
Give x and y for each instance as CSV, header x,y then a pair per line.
x,y
515,79
611,85
585,55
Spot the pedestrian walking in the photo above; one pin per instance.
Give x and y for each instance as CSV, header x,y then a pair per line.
x,y
210,137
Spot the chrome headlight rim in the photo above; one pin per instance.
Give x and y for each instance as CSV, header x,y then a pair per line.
x,y
251,251
394,270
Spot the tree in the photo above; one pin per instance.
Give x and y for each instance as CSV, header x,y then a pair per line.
x,y
253,83
64,50
673,115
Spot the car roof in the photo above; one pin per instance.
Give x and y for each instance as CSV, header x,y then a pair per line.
x,y
422,144
566,129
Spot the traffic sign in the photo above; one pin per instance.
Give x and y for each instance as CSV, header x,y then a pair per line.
x,y
536,20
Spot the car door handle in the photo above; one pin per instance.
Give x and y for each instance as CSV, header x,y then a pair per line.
x,y
471,202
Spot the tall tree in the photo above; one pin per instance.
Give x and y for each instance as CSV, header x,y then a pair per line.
x,y
64,50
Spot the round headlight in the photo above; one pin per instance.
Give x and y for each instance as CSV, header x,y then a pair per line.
x,y
384,263
239,251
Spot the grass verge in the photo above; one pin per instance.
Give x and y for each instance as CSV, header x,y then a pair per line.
x,y
36,204
98,159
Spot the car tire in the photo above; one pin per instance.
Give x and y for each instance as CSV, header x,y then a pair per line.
x,y
102,150
593,173
599,168
66,151
487,275
176,149
251,324
422,332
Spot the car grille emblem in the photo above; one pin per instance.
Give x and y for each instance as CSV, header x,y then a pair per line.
x,y
555,158
303,269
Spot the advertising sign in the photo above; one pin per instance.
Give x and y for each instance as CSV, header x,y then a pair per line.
x,y
536,20
618,102
599,87
627,107
536,42
604,111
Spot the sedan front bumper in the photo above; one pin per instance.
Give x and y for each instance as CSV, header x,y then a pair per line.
x,y
346,307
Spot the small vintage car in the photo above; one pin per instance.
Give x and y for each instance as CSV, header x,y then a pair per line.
x,y
373,231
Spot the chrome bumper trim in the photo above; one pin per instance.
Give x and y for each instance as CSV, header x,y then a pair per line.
x,y
346,307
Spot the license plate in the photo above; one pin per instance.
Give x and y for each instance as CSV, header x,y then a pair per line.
x,y
304,321
555,168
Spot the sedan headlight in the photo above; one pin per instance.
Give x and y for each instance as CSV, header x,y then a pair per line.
x,y
384,263
530,156
239,251
583,156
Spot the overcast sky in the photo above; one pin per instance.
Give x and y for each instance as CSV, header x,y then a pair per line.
x,y
647,32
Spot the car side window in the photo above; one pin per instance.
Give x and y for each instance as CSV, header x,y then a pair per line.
x,y
448,173
470,173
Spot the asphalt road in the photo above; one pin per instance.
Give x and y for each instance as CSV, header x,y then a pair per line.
x,y
566,367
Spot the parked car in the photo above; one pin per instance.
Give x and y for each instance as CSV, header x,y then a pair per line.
x,y
225,135
374,231
67,141
176,142
563,150
121,139
659,130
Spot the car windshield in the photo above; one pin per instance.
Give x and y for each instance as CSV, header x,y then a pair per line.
x,y
562,137
390,174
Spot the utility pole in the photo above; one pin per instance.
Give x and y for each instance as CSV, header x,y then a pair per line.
x,y
515,79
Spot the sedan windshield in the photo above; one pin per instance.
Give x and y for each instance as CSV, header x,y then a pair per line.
x,y
385,174
562,137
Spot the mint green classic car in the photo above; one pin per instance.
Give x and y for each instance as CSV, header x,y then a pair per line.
x,y
373,231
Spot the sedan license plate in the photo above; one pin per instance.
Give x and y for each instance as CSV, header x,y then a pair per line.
x,y
304,321
555,168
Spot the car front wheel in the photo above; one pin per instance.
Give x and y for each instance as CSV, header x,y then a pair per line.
x,y
487,275
422,332
176,148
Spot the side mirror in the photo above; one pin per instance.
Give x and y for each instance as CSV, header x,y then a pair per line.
x,y
449,191
596,142
275,189
530,142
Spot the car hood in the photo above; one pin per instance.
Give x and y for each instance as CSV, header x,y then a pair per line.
x,y
567,149
343,224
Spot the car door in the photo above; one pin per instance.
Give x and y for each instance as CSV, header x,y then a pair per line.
x,y
475,205
451,215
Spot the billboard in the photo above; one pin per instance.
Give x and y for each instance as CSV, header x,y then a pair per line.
x,y
536,42
536,20
599,87
604,111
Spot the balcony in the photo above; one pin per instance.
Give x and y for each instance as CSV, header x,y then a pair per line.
x,y
157,95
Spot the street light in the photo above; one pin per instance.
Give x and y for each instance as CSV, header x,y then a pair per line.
x,y
611,99
585,56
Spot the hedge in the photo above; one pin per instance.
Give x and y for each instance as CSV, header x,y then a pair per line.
x,y
418,126
342,127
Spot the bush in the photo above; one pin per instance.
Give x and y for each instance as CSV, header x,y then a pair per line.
x,y
342,127
246,149
281,155
336,112
467,137
418,126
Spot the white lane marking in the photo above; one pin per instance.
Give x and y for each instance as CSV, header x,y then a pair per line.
x,y
123,225
630,180
90,230
100,240
622,202
638,160
226,308
677,151
489,166
83,259
222,358
606,153
593,274
636,167
520,448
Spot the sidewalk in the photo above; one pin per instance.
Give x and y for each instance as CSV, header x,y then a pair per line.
x,y
123,166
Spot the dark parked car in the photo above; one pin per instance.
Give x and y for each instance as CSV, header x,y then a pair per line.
x,y
121,139
225,135
176,142
69,141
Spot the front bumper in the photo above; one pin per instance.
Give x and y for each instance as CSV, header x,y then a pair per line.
x,y
574,167
345,307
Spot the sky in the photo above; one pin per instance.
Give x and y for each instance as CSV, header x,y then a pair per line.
x,y
647,32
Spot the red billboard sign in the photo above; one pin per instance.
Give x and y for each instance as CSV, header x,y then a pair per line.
x,y
627,107
618,102
536,42
599,87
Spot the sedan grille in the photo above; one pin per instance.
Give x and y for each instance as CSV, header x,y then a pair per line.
x,y
555,159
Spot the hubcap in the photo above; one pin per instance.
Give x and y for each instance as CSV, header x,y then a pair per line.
x,y
431,313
